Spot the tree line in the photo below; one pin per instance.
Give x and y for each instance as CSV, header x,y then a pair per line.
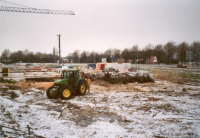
x,y
169,53
27,57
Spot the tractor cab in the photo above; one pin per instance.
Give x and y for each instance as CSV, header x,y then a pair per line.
x,y
71,74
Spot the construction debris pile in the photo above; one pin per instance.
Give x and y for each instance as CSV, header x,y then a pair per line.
x,y
113,77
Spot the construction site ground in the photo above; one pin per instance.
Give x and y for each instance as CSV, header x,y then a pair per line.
x,y
159,109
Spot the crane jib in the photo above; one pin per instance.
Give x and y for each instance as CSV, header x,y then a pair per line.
x,y
33,10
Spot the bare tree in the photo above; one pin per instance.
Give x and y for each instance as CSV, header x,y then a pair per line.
x,y
115,53
182,47
13,57
76,55
134,48
25,52
195,46
159,53
55,54
39,57
91,57
125,54
5,54
84,57
169,48
100,56
133,53
148,50
108,55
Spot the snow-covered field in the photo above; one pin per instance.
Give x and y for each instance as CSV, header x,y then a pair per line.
x,y
160,109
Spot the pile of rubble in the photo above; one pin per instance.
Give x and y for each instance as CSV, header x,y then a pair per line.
x,y
113,77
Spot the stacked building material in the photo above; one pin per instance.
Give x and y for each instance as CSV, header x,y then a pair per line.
x,y
114,77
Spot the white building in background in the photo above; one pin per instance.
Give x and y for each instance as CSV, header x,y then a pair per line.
x,y
189,55
103,60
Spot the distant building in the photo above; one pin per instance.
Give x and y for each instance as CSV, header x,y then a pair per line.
x,y
119,60
151,60
130,61
65,60
103,60
189,55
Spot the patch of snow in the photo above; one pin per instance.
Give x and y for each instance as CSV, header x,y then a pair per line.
x,y
163,112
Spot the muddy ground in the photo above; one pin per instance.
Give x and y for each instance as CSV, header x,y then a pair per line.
x,y
160,109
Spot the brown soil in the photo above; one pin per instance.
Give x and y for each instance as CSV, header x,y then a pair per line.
x,y
23,85
100,86
97,86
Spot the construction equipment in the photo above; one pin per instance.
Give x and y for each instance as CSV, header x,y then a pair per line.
x,y
34,10
70,84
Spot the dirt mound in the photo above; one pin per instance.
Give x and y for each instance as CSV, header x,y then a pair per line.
x,y
38,85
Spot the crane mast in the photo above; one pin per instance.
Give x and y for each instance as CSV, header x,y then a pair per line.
x,y
33,10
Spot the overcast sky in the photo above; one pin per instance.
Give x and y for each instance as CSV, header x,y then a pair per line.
x,y
99,24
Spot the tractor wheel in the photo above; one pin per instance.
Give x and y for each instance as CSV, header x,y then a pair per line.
x,y
82,87
52,92
66,93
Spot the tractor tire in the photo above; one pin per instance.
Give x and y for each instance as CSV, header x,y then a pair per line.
x,y
66,93
82,87
51,94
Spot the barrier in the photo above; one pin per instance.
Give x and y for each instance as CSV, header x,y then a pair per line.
x,y
133,69
100,66
123,70
37,68
27,69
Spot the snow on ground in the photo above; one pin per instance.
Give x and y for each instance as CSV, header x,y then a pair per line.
x,y
161,109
